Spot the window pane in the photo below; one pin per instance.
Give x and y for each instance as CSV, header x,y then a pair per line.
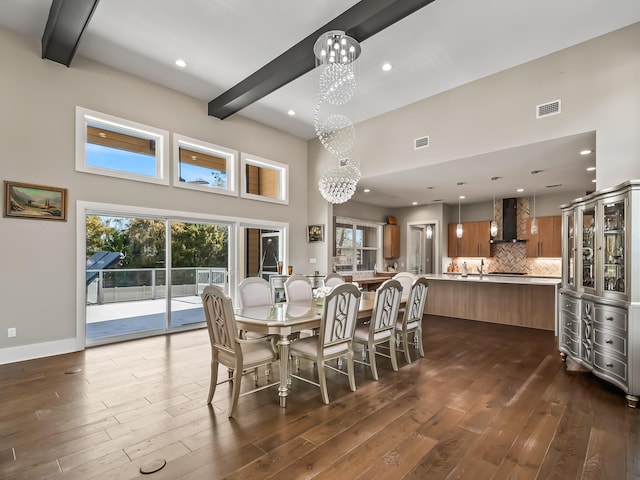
x,y
344,235
114,150
370,237
202,169
263,181
366,259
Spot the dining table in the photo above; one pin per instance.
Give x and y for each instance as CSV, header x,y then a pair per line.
x,y
287,319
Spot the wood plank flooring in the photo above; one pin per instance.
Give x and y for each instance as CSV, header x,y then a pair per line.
x,y
487,402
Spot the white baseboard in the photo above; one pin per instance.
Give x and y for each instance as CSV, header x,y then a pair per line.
x,y
38,350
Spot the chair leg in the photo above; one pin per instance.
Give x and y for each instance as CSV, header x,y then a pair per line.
x,y
418,335
351,371
322,380
392,354
372,360
405,346
237,380
214,380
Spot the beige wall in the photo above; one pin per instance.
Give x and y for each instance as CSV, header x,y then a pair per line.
x,y
37,132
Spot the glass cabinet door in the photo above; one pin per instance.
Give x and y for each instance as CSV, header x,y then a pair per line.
x,y
569,267
614,249
588,248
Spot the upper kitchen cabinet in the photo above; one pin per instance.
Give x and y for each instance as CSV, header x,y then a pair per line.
x,y
548,241
391,241
474,241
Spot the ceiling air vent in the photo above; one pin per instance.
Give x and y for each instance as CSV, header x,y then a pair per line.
x,y
419,143
547,109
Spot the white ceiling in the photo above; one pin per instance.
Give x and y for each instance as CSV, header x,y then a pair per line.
x,y
444,45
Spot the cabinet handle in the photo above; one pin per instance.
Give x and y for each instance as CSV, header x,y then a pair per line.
x,y
609,318
608,340
609,364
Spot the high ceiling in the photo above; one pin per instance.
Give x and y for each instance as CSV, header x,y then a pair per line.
x,y
445,44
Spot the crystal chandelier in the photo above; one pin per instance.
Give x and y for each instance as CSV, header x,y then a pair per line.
x,y
336,52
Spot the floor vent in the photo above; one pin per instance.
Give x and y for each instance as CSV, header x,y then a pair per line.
x,y
547,109
419,143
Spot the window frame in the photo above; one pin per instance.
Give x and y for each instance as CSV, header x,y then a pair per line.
x,y
355,225
283,169
210,149
84,117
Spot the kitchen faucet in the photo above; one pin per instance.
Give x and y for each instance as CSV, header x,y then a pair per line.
x,y
481,268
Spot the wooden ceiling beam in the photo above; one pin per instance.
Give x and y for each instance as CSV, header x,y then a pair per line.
x,y
363,20
67,21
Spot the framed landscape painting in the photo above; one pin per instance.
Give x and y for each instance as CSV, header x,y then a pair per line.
x,y
24,200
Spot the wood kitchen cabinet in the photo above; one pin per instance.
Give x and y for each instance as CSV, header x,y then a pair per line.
x,y
548,241
474,241
391,241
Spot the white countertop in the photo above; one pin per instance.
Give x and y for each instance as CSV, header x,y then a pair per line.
x,y
510,279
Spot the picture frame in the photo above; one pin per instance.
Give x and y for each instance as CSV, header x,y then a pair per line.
x,y
26,200
315,233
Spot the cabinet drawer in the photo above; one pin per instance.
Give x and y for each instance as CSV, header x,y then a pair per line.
x,y
611,317
610,366
569,304
569,322
609,343
568,342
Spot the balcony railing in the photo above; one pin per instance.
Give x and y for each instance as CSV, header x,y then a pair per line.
x,y
128,284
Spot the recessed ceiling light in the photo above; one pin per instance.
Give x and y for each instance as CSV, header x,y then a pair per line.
x,y
366,190
520,190
593,181
414,203
585,152
462,197
291,112
591,169
181,63
386,67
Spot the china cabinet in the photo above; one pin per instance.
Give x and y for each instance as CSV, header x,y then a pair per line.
x,y
599,302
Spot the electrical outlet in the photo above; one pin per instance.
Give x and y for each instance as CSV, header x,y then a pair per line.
x,y
312,260
11,332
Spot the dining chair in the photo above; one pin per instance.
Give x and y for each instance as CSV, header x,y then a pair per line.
x,y
333,279
335,337
298,288
406,279
254,291
227,348
381,327
411,320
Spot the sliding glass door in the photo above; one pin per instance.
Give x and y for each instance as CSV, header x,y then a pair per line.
x,y
145,275
199,257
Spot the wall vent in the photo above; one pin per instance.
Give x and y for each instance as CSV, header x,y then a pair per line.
x,y
421,142
547,109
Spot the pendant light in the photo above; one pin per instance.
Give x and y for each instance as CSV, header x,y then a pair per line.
x,y
493,229
459,226
534,221
429,232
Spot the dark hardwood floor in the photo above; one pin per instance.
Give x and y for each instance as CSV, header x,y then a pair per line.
x,y
487,401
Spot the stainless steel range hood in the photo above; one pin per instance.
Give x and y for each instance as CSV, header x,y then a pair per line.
x,y
509,222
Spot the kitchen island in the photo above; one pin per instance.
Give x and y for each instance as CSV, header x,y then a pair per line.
x,y
519,300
